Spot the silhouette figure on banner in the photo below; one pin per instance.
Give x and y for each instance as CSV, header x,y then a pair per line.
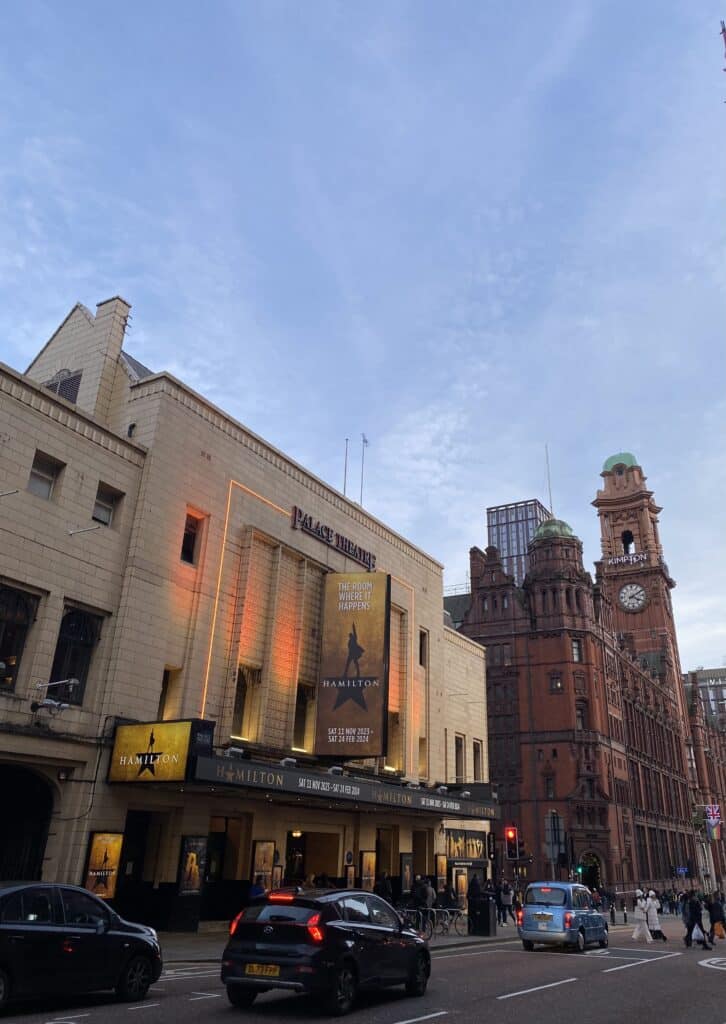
x,y
355,652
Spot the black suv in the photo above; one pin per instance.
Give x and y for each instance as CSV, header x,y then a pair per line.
x,y
327,942
63,939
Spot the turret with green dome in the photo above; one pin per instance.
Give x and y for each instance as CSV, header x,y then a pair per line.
x,y
621,459
553,528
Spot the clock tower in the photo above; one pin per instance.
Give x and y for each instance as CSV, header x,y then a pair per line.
x,y
632,572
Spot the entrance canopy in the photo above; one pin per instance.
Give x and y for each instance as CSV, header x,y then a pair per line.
x,y
348,789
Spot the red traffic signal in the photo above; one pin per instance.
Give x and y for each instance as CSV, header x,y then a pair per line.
x,y
511,842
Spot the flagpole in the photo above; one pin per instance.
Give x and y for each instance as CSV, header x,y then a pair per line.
x,y
363,446
345,468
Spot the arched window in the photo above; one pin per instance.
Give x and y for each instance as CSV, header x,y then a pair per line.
x,y
628,542
79,633
568,598
17,612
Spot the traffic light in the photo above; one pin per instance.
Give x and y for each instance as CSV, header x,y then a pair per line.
x,y
491,846
521,852
511,840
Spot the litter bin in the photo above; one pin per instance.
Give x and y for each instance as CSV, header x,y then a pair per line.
x,y
483,916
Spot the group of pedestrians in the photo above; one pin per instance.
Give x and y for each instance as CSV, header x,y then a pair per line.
x,y
647,922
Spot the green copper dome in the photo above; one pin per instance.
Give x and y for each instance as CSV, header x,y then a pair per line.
x,y
621,459
553,528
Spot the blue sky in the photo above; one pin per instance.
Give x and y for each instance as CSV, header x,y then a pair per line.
x,y
463,228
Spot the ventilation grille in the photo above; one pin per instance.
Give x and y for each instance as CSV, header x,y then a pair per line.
x,y
66,384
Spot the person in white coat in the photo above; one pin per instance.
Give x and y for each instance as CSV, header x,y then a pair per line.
x,y
640,931
652,906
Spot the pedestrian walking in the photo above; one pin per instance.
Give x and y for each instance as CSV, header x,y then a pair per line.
x,y
383,887
716,918
640,932
652,906
507,901
694,923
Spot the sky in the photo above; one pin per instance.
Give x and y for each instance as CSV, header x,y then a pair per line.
x,y
463,229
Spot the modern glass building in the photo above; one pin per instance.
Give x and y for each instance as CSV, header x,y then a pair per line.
x,y
510,528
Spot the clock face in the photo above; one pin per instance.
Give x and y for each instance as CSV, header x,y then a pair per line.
x,y
632,597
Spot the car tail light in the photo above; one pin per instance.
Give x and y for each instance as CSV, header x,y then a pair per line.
x,y
520,916
568,919
281,897
315,929
235,922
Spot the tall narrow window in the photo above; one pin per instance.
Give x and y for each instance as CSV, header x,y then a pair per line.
x,y
191,539
628,542
79,634
478,752
302,733
244,700
549,787
44,475
17,611
423,648
577,650
459,758
170,696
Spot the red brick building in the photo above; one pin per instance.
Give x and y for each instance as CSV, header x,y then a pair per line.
x,y
589,732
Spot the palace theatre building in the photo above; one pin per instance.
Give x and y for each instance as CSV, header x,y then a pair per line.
x,y
213,666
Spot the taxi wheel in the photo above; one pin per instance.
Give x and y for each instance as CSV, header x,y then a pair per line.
x,y
580,945
241,997
4,990
529,946
603,943
340,999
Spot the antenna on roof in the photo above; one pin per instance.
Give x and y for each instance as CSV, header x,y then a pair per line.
x,y
549,479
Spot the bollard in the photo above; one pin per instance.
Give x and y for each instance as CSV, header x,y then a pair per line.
x,y
625,915
612,914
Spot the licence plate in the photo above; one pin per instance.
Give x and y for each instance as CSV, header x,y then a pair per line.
x,y
542,926
263,970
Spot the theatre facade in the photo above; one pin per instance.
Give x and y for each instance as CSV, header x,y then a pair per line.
x,y
212,665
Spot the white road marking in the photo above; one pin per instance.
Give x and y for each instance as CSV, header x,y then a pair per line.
x,y
67,1020
429,1016
716,963
526,991
142,1006
203,995
639,963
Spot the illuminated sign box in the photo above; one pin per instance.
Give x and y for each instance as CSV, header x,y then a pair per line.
x,y
158,751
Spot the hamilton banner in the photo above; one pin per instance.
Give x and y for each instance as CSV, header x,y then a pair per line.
x,y
152,752
352,701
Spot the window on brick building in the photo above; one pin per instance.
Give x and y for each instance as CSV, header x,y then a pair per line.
x,y
581,716
549,787
423,647
44,475
478,758
17,613
628,542
78,636
459,758
245,698
577,650
106,505
556,684
191,539
302,734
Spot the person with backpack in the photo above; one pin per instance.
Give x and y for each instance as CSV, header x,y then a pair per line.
x,y
507,899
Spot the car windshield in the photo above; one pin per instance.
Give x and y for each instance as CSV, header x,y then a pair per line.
x,y
545,896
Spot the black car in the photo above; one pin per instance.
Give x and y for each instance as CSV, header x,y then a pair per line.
x,y
62,939
330,943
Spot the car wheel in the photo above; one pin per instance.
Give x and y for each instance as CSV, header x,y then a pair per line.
x,y
240,996
603,943
418,978
342,995
4,990
135,979
529,946
580,942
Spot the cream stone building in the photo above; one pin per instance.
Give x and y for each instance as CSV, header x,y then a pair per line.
x,y
161,564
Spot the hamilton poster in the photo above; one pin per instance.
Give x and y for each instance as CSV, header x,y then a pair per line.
x,y
352,700
154,752
103,861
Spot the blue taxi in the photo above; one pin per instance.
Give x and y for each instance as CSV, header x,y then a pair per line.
x,y
560,914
